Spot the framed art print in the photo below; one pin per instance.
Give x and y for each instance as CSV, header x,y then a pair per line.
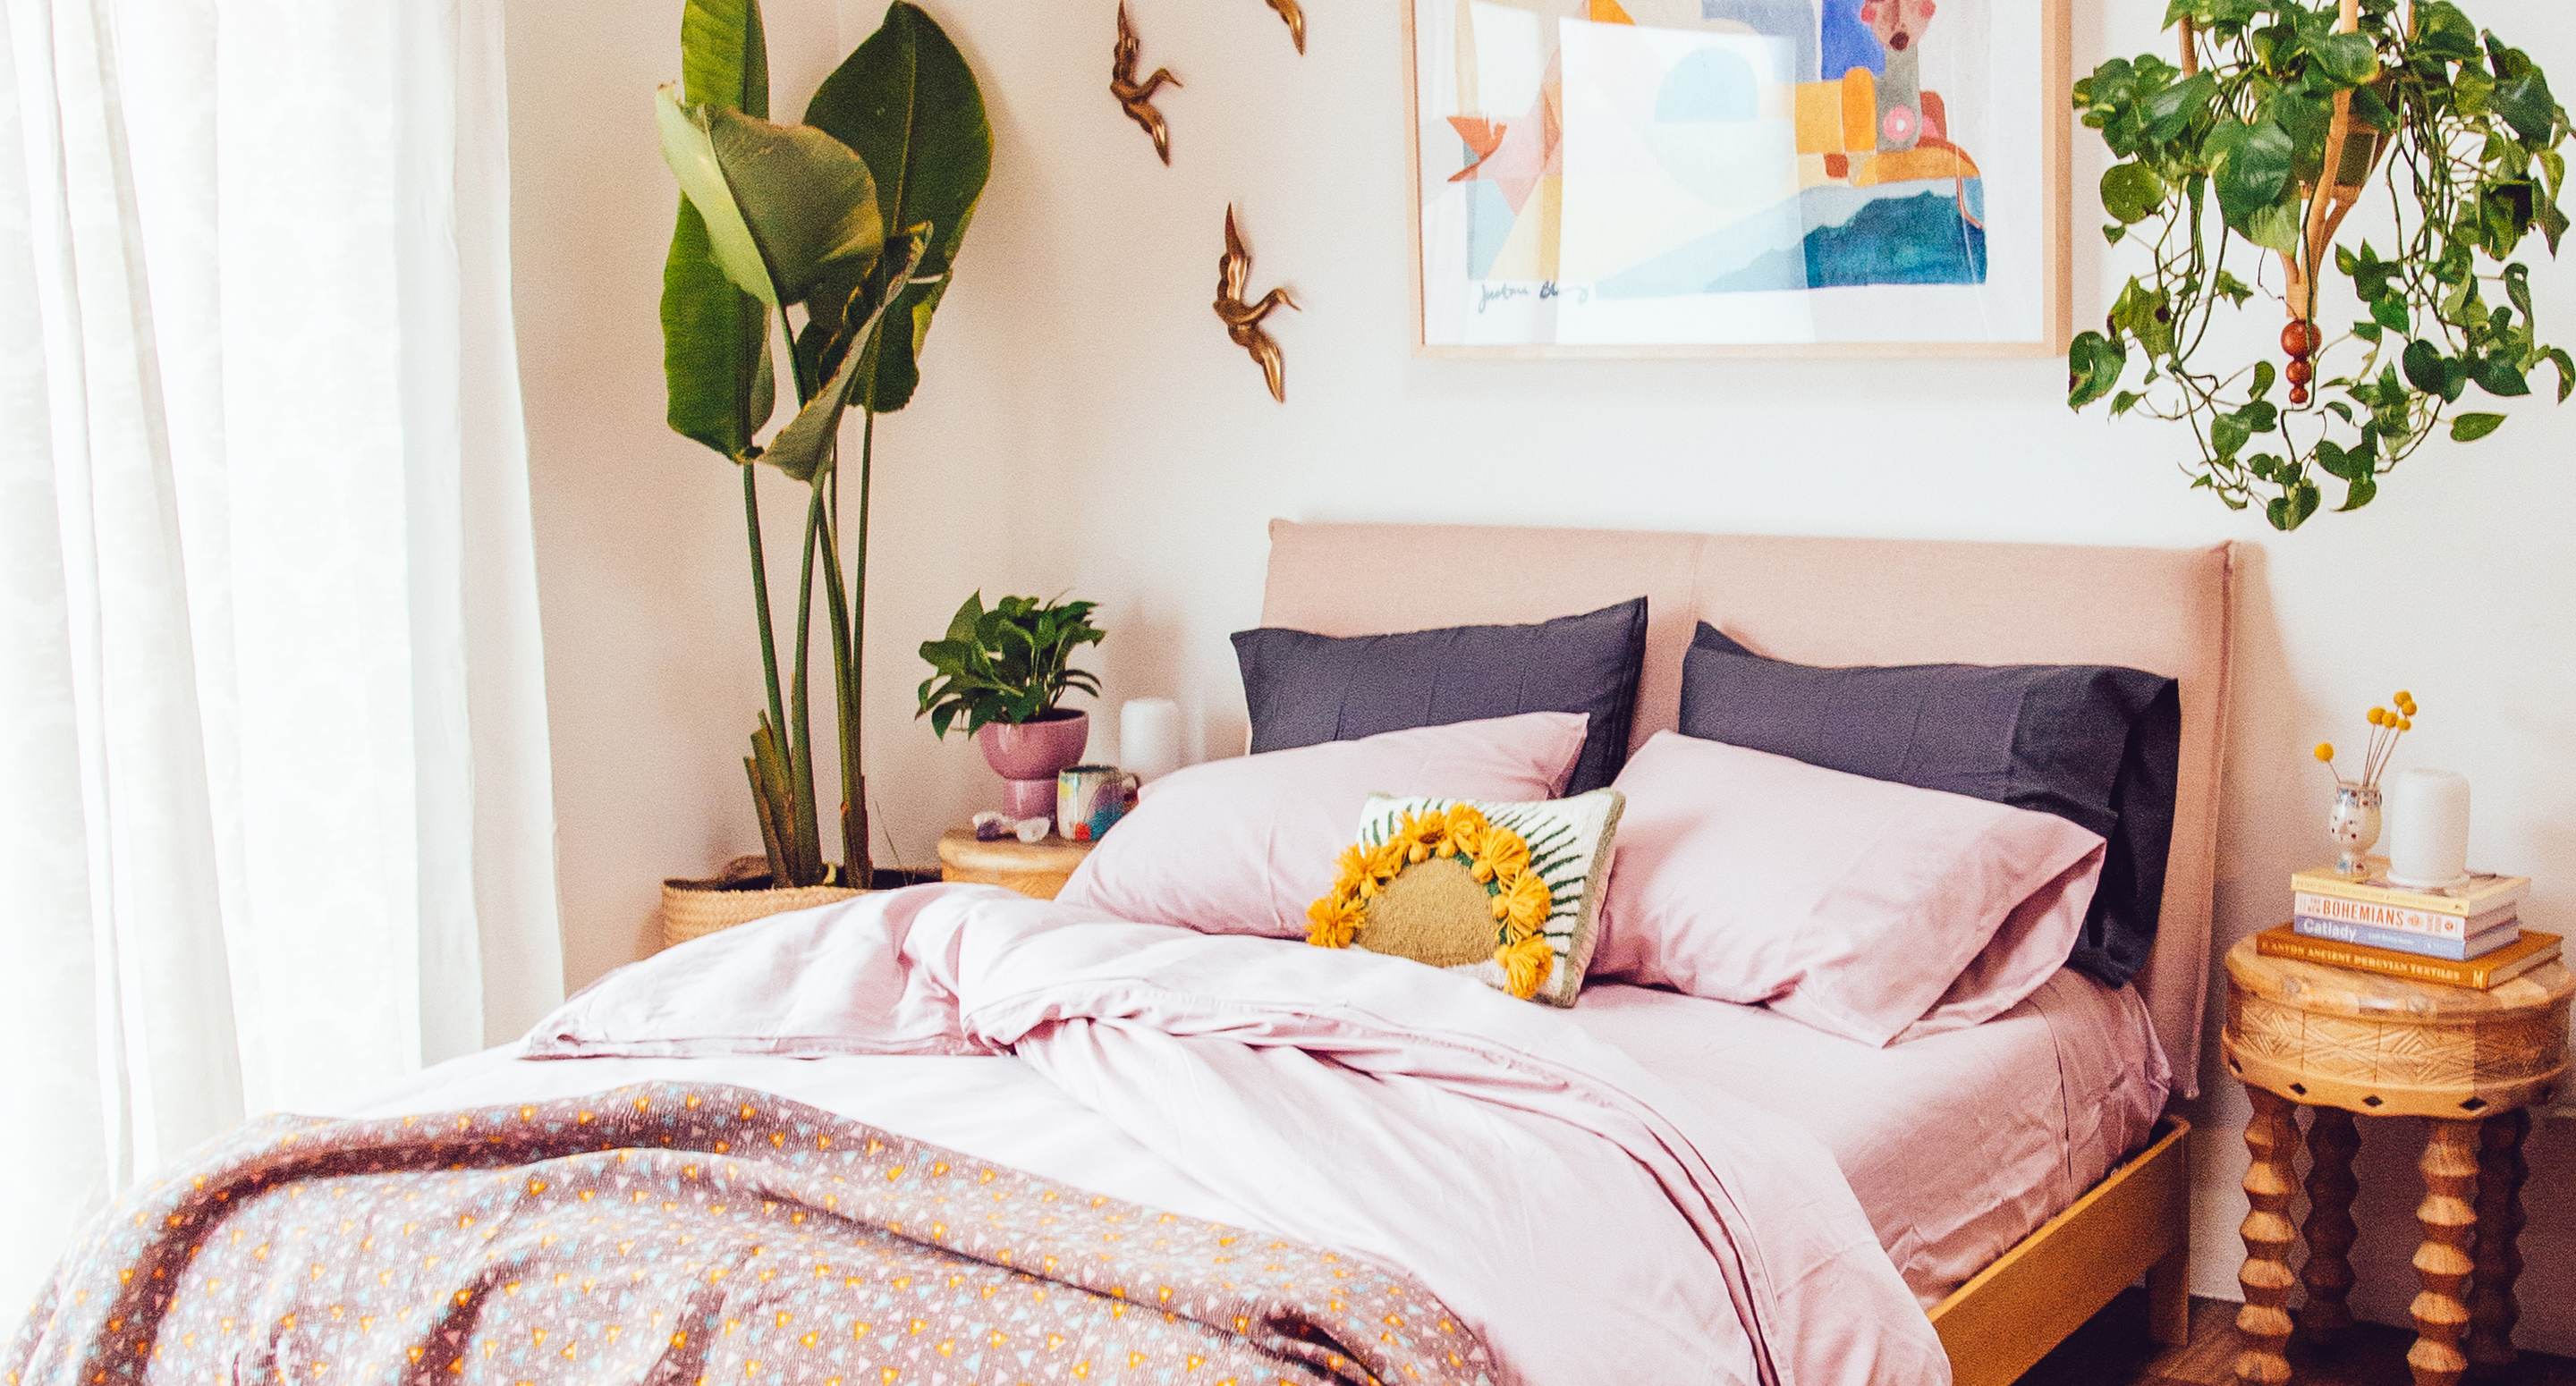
x,y
1739,177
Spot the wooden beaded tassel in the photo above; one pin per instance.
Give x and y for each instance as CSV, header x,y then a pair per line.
x,y
2328,202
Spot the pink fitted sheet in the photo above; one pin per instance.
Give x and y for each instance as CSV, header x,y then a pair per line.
x,y
1957,1145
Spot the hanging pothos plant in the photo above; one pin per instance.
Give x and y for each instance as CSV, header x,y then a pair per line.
x,y
2456,130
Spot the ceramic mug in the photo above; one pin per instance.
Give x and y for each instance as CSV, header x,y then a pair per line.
x,y
1089,798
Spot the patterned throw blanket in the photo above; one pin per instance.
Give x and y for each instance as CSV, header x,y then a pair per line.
x,y
689,1235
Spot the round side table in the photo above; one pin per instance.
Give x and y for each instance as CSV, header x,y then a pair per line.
x,y
1036,869
2341,1042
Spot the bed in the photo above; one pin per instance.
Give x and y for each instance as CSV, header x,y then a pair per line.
x,y
1832,601
2061,1183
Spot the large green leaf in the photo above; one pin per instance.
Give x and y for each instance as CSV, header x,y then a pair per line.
x,y
788,208
715,346
2526,105
690,150
811,203
803,449
715,337
2248,166
2131,192
724,60
2093,366
908,104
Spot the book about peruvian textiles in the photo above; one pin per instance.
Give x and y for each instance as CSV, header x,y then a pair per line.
x,y
2466,935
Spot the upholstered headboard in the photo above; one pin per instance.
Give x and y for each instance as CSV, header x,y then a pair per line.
x,y
1830,601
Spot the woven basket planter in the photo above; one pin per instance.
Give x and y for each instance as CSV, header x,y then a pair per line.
x,y
695,909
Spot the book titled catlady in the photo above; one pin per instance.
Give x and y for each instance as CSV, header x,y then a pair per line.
x,y
2476,945
2478,974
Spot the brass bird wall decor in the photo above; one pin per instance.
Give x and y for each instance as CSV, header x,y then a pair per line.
x,y
1290,11
1138,97
1243,320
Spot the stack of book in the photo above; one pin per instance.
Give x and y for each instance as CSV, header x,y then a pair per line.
x,y
2469,935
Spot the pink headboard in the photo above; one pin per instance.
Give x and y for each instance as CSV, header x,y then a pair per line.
x,y
1834,602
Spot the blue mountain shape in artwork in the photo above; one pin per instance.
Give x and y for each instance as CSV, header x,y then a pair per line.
x,y
1891,240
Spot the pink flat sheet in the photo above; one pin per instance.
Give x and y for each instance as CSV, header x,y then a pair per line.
x,y
1552,1193
2037,1105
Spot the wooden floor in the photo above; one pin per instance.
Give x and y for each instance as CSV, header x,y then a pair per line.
x,y
2113,1350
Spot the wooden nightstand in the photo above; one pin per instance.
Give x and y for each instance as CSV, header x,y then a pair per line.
x,y
2340,1042
1035,869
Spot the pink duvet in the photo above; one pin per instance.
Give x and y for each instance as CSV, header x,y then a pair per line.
x,y
1586,1222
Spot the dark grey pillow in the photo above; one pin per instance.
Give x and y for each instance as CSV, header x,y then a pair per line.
x,y
2095,745
1305,689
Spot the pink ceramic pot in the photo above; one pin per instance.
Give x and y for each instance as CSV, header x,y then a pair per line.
x,y
1028,755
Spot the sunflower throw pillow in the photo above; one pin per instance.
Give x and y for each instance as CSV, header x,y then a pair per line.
x,y
1509,893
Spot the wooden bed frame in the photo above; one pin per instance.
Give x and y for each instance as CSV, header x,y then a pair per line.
x,y
1882,601
2136,1222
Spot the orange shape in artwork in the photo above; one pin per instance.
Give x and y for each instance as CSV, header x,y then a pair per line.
x,y
1608,12
1482,136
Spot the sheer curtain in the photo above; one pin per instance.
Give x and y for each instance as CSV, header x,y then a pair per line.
x,y
275,817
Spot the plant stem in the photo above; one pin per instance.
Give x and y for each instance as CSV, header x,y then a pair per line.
x,y
768,652
855,819
845,699
808,846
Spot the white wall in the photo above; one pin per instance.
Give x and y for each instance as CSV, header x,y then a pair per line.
x,y
1085,426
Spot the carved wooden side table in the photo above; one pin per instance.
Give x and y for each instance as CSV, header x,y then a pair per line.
x,y
2340,1042
1037,869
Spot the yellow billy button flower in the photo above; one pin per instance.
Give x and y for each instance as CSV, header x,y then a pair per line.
x,y
2378,717
2325,751
2406,724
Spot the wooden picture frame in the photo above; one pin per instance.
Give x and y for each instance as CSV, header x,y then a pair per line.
x,y
2020,291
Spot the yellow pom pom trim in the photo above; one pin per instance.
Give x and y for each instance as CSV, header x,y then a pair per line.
x,y
1496,856
1526,965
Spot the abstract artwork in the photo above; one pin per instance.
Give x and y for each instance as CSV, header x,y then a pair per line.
x,y
1756,177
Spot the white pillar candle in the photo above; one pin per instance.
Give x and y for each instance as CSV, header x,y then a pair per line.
x,y
2428,829
1149,737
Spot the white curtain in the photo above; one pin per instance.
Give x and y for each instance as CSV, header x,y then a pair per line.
x,y
275,817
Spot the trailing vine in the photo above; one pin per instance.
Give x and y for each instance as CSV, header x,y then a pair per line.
x,y
2460,134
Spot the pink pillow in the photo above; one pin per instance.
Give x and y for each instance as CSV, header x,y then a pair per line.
x,y
1243,846
1848,903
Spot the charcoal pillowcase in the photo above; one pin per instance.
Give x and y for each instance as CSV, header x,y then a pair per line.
x,y
1305,689
2096,745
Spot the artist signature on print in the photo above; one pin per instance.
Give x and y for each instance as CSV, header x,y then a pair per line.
x,y
1492,294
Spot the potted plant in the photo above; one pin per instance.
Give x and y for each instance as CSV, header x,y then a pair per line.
x,y
854,219
1004,671
2280,119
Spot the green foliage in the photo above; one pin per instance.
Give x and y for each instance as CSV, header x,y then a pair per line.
x,y
2461,134
906,101
1009,664
854,217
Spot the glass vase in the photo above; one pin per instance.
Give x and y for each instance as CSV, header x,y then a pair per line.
x,y
2353,823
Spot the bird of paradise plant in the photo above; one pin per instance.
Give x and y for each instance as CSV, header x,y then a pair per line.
x,y
854,217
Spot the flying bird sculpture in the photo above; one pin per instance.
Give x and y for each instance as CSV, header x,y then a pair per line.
x,y
1243,320
1296,17
1138,97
